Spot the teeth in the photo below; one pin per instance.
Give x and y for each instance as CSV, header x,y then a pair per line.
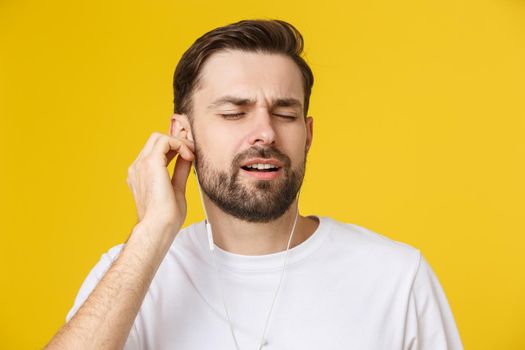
x,y
262,166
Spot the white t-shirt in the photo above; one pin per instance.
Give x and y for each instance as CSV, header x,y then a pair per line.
x,y
345,287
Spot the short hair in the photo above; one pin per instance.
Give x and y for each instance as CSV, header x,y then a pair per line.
x,y
264,36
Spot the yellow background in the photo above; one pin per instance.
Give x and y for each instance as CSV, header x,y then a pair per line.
x,y
418,135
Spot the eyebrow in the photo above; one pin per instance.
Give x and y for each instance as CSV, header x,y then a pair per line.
x,y
239,101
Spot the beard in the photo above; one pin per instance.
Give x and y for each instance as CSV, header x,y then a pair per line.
x,y
260,201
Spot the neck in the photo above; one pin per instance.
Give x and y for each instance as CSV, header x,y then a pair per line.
x,y
248,238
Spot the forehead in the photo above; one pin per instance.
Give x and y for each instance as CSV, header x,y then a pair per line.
x,y
249,75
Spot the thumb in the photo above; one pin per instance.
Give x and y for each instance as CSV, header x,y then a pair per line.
x,y
180,174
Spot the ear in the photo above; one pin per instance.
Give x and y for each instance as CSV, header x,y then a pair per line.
x,y
180,126
309,132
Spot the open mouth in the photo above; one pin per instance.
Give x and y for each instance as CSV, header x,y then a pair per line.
x,y
265,168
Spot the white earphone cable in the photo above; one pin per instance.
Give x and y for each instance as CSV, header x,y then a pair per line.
x,y
211,243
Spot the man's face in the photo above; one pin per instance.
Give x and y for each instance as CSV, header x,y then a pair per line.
x,y
247,111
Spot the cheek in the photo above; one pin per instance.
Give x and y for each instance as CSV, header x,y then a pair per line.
x,y
218,147
294,140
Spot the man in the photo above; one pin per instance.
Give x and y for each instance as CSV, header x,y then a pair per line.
x,y
241,101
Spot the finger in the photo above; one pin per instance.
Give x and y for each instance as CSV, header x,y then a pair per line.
x,y
148,146
187,153
188,143
184,151
170,155
166,144
180,174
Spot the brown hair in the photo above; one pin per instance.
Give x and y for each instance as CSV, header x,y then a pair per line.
x,y
266,36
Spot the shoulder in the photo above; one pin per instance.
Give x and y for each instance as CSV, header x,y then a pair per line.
x,y
364,246
365,238
181,245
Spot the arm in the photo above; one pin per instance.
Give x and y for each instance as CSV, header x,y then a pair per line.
x,y
105,319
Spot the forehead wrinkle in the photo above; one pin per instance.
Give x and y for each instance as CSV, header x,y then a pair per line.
x,y
235,100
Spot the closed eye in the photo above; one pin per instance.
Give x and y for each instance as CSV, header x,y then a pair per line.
x,y
232,115
238,115
292,117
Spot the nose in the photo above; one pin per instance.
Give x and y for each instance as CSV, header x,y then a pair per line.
x,y
263,131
